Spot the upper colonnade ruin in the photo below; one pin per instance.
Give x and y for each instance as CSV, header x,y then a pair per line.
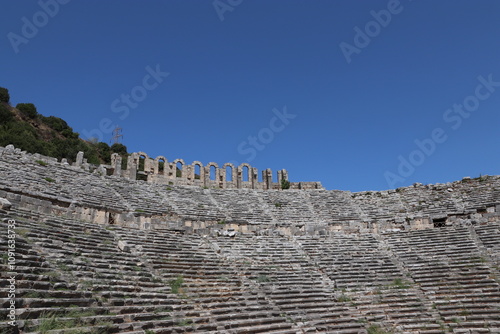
x,y
228,176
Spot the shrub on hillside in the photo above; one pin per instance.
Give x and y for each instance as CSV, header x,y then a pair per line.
x,y
104,152
5,115
119,148
23,136
4,95
56,123
27,109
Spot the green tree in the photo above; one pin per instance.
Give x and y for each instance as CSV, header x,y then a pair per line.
x,y
56,123
68,133
27,109
104,152
5,115
22,136
4,95
119,148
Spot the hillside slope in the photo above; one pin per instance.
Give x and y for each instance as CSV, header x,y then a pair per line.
x,y
30,131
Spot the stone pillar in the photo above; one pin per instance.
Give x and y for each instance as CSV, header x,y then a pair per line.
x,y
116,163
132,173
205,171
254,174
132,167
156,167
239,177
267,177
282,175
221,177
79,159
187,174
170,170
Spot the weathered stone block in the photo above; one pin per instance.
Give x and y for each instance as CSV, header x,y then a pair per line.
x,y
5,204
123,246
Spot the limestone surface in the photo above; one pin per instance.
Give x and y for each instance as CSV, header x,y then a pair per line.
x,y
98,253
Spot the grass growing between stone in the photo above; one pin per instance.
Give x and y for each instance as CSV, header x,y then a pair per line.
x,y
176,284
376,329
399,283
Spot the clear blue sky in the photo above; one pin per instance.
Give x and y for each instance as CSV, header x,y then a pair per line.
x,y
230,67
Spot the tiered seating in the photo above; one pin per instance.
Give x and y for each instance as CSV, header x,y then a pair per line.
x,y
75,275
57,183
193,203
241,205
140,198
334,206
213,296
40,289
371,281
290,206
22,174
453,274
85,281
489,236
352,261
81,277
481,192
278,268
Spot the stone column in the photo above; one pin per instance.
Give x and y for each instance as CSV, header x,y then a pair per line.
x,y
79,159
267,177
131,167
116,163
254,172
239,177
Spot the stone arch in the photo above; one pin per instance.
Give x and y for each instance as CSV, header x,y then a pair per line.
x,y
248,172
157,165
176,163
142,166
197,174
208,171
241,173
226,176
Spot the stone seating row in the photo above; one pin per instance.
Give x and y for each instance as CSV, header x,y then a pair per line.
x,y
452,273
